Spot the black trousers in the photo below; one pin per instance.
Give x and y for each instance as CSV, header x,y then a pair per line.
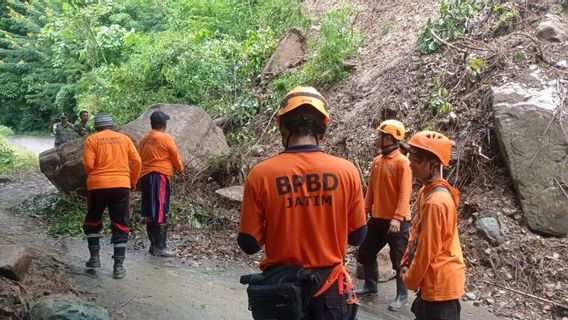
x,y
378,237
330,305
117,200
436,310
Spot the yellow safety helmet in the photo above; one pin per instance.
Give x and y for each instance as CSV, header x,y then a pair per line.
x,y
393,127
300,96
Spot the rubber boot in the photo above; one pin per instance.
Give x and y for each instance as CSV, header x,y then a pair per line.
x,y
150,229
401,299
94,248
161,249
371,279
94,260
118,270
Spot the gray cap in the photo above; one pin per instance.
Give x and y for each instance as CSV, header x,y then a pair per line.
x,y
159,116
103,120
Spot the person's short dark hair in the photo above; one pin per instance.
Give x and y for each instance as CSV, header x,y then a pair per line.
x,y
159,117
83,112
305,120
157,125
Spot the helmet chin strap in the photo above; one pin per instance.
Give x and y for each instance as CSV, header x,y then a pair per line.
x,y
441,171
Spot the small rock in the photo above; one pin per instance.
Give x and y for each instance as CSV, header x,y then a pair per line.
x,y
489,225
471,296
66,307
234,193
553,29
533,67
490,301
547,308
476,303
14,261
4,179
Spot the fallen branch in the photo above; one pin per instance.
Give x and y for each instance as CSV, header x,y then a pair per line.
x,y
445,42
528,295
535,42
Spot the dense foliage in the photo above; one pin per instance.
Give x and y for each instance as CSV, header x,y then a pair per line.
x,y
122,56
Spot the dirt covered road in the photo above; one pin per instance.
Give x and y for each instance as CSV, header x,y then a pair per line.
x,y
153,288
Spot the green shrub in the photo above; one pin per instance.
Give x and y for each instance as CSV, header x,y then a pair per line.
x,y
476,66
454,15
438,100
337,41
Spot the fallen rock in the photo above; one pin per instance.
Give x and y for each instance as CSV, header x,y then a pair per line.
x,y
290,53
4,179
488,224
552,28
197,137
535,160
234,193
14,261
66,307
63,166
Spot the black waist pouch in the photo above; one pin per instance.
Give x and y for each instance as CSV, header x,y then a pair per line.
x,y
276,301
280,292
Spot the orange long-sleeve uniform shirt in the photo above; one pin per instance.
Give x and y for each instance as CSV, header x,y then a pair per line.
x,y
110,160
390,187
159,153
301,206
437,268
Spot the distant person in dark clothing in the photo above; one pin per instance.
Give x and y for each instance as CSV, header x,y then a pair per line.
x,y
63,131
82,129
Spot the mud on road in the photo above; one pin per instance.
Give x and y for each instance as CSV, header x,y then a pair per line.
x,y
153,288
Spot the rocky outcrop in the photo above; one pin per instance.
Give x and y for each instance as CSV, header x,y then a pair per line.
x,y
290,53
535,148
197,137
552,28
66,307
14,261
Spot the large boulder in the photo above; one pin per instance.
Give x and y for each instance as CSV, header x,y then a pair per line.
x,y
535,149
63,166
290,53
66,307
553,28
14,261
197,137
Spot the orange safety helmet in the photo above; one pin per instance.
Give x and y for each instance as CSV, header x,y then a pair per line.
x,y
300,96
393,127
434,142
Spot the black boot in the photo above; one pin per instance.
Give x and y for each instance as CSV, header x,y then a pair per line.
x,y
94,248
94,260
401,299
161,249
371,279
150,229
118,270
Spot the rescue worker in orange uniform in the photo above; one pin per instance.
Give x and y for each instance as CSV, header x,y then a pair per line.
x,y
388,204
110,177
433,262
160,157
304,205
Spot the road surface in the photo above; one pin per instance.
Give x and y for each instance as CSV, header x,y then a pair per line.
x,y
35,144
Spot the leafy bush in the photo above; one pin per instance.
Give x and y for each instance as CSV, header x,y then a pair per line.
x,y
476,66
507,17
337,41
438,101
454,15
